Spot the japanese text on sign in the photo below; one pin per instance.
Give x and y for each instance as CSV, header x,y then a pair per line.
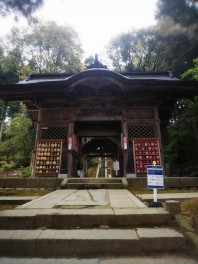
x,y
116,166
155,178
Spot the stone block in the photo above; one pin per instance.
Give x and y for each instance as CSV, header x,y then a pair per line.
x,y
160,239
47,183
17,219
72,218
188,182
46,244
173,207
139,217
171,182
18,242
83,242
15,183
137,183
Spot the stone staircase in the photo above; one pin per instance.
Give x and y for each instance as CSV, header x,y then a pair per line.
x,y
94,183
31,231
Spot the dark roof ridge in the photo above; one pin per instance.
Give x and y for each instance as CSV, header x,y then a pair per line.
x,y
127,75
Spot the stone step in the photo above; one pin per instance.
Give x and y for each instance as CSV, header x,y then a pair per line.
x,y
94,180
94,186
89,242
82,218
94,183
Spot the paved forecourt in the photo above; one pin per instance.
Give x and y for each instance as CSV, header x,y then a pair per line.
x,y
133,260
110,198
168,196
70,208
81,223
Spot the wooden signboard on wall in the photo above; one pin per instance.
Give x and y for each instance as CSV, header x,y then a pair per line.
x,y
145,151
48,157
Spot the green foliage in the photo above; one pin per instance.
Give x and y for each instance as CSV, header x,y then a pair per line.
x,y
192,73
12,64
7,166
18,140
166,46
190,206
89,60
25,171
48,48
181,141
184,12
22,7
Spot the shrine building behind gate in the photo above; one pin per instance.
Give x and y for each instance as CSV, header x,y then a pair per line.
x,y
98,123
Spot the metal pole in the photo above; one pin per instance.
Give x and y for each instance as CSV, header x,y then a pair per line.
x,y
154,189
155,194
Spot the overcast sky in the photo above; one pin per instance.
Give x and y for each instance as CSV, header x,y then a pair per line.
x,y
96,21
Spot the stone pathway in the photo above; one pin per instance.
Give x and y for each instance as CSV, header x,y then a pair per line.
x,y
135,260
54,226
109,198
86,197
168,196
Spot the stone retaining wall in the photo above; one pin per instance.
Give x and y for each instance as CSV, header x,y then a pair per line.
x,y
30,183
169,182
134,183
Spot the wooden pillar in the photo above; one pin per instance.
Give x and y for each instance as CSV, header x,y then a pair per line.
x,y
84,164
69,164
158,132
125,151
38,136
70,157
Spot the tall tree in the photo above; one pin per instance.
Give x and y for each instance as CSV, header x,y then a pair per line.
x,y
11,68
184,12
89,60
18,140
166,46
181,144
20,7
49,48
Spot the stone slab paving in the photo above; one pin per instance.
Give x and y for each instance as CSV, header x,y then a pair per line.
x,y
159,238
134,260
149,260
86,197
141,211
124,199
168,196
47,201
17,198
111,198
72,208
82,242
49,261
84,217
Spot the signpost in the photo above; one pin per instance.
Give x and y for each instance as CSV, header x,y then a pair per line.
x,y
155,180
116,167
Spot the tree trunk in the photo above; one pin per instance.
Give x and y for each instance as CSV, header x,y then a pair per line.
x,y
4,110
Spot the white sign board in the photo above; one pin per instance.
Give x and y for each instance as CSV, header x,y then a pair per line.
x,y
155,178
116,165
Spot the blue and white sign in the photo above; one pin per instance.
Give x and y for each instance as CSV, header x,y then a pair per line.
x,y
155,177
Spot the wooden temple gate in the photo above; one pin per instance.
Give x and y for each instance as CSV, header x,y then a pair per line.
x,y
95,131
98,116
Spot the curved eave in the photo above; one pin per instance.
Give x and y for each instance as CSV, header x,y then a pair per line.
x,y
101,78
